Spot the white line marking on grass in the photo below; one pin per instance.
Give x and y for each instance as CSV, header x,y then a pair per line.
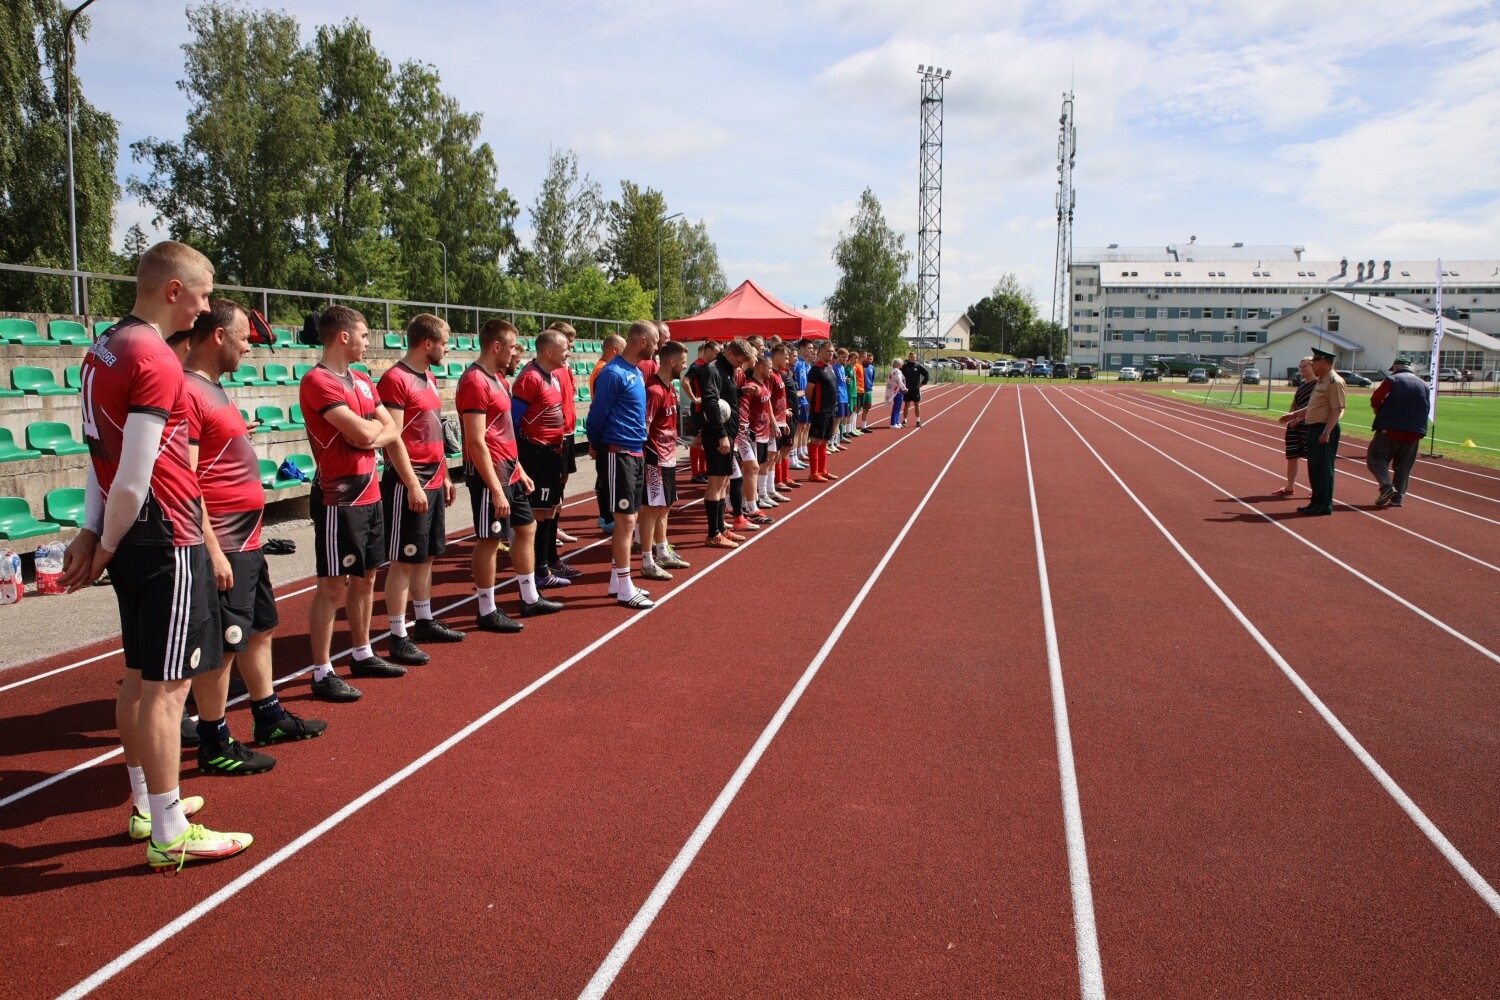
x,y
1085,932
1429,829
625,946
229,891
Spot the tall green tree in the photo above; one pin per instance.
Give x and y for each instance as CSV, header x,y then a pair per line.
x,y
568,219
1004,318
33,160
638,226
589,294
237,185
873,298
703,281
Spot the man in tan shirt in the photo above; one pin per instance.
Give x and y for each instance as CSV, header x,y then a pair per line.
x,y
1321,415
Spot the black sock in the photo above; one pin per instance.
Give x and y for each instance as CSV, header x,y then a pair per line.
x,y
737,496
213,734
552,558
715,517
269,710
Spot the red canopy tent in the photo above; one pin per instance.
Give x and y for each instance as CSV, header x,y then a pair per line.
x,y
746,310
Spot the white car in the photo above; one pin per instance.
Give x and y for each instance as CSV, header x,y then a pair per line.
x,y
1129,375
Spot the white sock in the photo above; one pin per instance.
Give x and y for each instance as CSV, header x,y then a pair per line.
x,y
167,821
486,597
624,587
660,550
321,670
648,560
527,583
138,792
398,625
363,652
423,610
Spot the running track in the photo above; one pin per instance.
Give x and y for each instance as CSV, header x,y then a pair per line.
x,y
1065,704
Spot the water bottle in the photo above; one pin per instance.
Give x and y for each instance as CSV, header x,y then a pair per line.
x,y
12,586
49,564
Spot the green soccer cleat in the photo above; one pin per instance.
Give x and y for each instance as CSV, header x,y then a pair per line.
x,y
196,844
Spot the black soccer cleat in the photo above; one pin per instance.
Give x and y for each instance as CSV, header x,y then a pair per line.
x,y
374,667
497,621
335,688
541,606
233,759
288,728
429,630
403,650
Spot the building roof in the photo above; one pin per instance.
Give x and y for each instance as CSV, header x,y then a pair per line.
x,y
946,322
1337,340
1298,274
1397,311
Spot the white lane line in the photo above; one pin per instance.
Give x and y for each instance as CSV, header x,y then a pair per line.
x,y
1426,616
625,946
1085,932
232,889
1139,414
1429,829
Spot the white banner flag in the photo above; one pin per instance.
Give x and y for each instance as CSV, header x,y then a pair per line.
x,y
1437,344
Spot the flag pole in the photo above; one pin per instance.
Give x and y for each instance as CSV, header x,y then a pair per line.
x,y
1437,347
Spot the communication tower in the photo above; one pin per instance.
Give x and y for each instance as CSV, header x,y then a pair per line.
x,y
1067,140
930,206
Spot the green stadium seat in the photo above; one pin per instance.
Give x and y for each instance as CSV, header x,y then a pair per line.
x,y
267,473
274,374
360,367
16,520
583,396
300,370
284,338
456,369
104,324
67,332
10,453
305,463
52,438
295,421
21,332
463,344
65,506
248,375
245,415
8,393
73,376
393,342
271,419
37,381
231,380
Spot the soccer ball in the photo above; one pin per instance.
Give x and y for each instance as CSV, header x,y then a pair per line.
x,y
724,412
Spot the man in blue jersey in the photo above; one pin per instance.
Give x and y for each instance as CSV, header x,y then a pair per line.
x,y
800,368
616,429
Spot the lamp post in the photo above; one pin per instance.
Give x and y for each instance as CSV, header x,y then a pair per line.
x,y
659,226
68,113
429,239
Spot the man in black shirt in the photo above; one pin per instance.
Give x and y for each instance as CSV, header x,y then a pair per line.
x,y
720,394
916,377
823,410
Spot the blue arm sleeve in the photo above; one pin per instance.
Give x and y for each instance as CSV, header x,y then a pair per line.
x,y
517,413
604,398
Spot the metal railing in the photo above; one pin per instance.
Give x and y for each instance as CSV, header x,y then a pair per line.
x,y
328,298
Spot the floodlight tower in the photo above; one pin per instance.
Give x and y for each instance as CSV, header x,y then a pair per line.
x,y
1067,139
930,205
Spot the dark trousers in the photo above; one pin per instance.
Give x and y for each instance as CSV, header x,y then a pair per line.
x,y
1386,456
1320,466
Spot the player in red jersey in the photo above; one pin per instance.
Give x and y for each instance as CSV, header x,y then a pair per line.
x,y
415,491
536,411
498,485
346,426
692,386
661,463
570,428
229,474
143,521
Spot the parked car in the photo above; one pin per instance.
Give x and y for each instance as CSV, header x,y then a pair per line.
x,y
1449,375
1251,376
1018,369
1042,370
1150,374
1356,379
1198,375
1084,371
1060,370
997,369
1128,374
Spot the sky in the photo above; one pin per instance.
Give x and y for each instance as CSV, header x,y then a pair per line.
x,y
1362,130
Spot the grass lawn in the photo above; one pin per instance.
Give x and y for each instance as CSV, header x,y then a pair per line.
x,y
1460,418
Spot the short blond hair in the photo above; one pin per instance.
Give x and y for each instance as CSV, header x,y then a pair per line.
x,y
170,260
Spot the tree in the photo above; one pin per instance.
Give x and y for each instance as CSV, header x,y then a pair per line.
x,y
1003,319
33,158
637,227
872,299
703,281
568,216
589,294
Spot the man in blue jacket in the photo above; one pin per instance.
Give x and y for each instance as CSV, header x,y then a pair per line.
x,y
1401,404
616,429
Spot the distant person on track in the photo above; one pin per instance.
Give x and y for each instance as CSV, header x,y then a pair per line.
x,y
895,391
721,408
498,484
867,395
658,557
806,354
823,408
916,376
228,471
1400,403
616,429
570,428
346,426
143,521
415,491
1325,408
1296,433
536,409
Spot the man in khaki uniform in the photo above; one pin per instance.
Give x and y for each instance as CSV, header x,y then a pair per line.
x,y
1321,415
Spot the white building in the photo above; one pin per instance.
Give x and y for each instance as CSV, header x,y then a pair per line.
x,y
953,332
1215,301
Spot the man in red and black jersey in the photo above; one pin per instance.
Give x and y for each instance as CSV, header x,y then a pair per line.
x,y
657,555
416,490
498,485
692,384
346,426
823,412
541,438
229,473
570,427
143,520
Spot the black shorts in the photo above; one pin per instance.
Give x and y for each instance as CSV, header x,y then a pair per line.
x,y
762,450
249,607
913,395
487,523
661,485
820,428
718,465
169,612
545,467
349,541
412,537
784,443
570,456
622,486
